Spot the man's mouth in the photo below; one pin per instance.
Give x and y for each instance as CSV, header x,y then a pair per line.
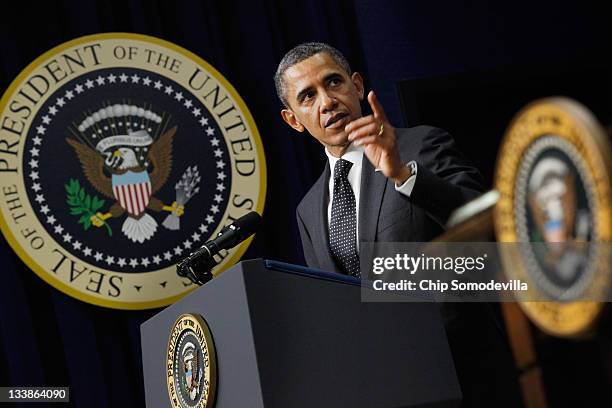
x,y
336,121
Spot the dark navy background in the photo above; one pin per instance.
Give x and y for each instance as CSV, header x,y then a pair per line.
x,y
48,338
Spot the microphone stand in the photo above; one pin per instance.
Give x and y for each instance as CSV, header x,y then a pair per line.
x,y
198,270
197,267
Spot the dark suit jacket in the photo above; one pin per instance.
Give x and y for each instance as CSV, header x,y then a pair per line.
x,y
444,181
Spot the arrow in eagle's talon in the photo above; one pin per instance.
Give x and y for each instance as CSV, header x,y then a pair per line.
x,y
177,210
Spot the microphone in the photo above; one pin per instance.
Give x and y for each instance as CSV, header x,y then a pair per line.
x,y
198,265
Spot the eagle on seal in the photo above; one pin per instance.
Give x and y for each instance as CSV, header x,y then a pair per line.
x,y
192,370
130,183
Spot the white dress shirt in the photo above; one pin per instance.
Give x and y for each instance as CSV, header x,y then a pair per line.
x,y
355,154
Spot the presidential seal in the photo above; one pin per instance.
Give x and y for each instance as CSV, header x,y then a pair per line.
x,y
120,154
553,177
191,364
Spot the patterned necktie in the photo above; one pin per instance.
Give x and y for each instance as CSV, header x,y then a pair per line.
x,y
343,225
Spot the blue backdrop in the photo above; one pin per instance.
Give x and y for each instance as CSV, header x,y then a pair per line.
x,y
48,338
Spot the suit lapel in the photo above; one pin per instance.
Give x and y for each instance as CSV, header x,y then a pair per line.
x,y
318,221
370,199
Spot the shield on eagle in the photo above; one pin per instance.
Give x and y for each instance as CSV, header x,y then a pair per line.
x,y
132,191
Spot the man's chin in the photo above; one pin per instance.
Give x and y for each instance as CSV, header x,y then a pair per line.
x,y
338,140
337,147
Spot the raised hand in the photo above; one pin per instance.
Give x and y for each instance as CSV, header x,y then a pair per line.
x,y
377,136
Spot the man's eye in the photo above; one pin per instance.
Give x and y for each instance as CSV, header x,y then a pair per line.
x,y
308,95
335,82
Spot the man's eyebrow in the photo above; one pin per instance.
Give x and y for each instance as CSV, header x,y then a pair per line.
x,y
332,75
302,94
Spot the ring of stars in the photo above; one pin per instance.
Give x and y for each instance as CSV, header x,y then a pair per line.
x,y
180,250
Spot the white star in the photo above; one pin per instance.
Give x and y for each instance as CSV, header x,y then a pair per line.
x,y
110,259
124,78
133,262
156,259
187,244
34,175
37,140
146,81
60,102
78,89
58,229
203,228
157,84
210,131
214,141
178,250
178,96
218,152
209,219
111,78
98,256
69,95
76,245
167,255
196,112
36,187
188,104
40,130
44,209
220,164
195,237
220,187
100,80
121,262
145,262
221,176
67,237
87,251
89,84
34,163
214,209
46,120
34,151
218,198
52,110
169,90
135,79
204,121
51,219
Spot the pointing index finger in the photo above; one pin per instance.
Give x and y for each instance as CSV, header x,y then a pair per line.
x,y
377,109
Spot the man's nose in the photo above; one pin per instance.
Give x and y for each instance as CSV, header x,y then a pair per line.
x,y
328,102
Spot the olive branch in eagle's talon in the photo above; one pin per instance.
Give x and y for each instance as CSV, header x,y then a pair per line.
x,y
84,205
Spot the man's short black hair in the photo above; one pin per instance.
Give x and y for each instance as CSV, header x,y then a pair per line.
x,y
300,53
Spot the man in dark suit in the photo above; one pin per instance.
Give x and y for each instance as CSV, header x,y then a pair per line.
x,y
384,184
421,177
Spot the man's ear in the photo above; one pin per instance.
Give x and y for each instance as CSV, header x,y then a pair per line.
x,y
291,120
358,82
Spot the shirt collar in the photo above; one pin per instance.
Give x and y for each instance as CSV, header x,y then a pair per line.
x,y
353,153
